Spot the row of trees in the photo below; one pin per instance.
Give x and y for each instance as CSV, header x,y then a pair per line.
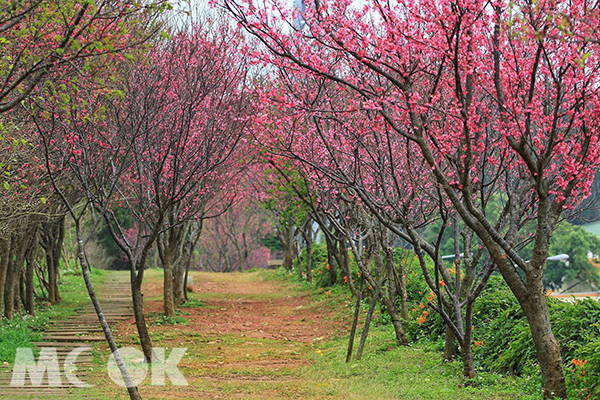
x,y
43,44
421,126
117,126
480,117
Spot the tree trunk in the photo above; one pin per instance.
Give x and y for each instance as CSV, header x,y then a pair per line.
x,y
131,388
170,248
331,257
168,299
355,319
185,280
532,298
5,251
11,291
546,345
298,254
309,244
388,297
288,250
400,277
29,274
52,236
140,319
450,345
348,270
179,276
365,332
467,358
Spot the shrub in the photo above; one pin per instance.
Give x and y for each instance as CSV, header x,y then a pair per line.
x,y
508,346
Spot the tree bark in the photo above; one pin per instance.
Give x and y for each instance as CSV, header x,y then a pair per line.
x,y
179,276
140,319
52,236
170,245
546,345
131,388
29,274
5,251
348,270
355,319
332,256
388,298
288,247
11,279
467,358
450,344
169,298
365,332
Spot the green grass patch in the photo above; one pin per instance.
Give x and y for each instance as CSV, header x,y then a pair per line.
x,y
394,372
23,330
158,319
193,303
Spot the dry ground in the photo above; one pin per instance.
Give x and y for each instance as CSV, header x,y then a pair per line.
x,y
246,337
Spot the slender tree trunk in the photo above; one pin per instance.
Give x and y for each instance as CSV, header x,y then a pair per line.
x,y
298,254
5,251
155,257
52,237
140,318
467,358
169,298
388,297
348,270
179,270
29,274
169,242
365,332
179,276
392,310
187,274
400,277
17,309
309,245
355,319
288,249
288,258
331,256
131,388
12,279
20,298
53,295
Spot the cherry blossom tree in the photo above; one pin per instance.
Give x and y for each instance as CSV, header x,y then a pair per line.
x,y
39,37
232,241
499,99
158,139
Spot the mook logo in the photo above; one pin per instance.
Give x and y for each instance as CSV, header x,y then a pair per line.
x,y
132,358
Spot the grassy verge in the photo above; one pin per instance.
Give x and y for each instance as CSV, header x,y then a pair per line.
x,y
395,372
229,366
23,330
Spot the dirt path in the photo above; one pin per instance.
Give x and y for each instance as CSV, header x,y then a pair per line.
x,y
247,338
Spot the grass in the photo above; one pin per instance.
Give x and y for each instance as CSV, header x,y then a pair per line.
x,y
24,329
231,366
413,372
236,366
